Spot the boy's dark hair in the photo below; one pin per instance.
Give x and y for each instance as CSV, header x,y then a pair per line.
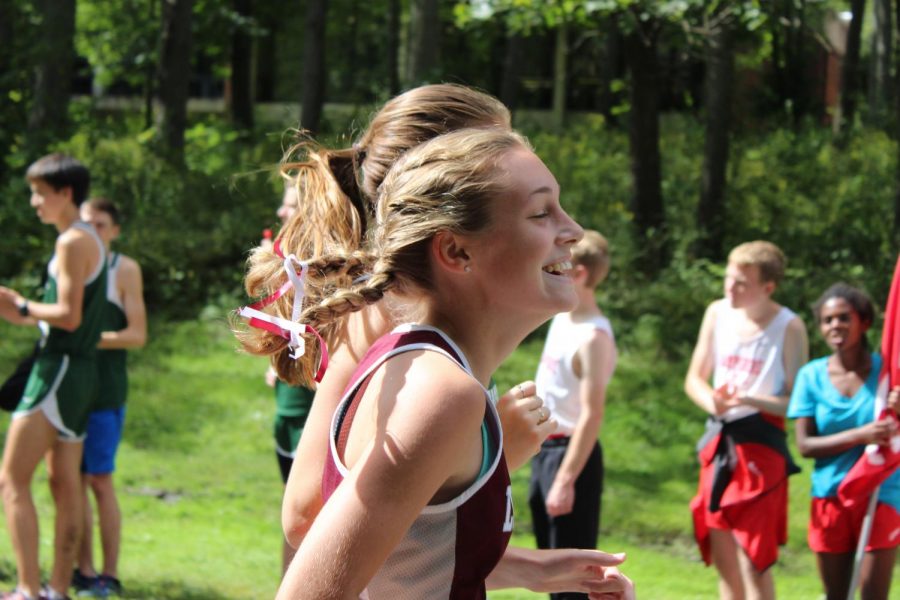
x,y
858,300
62,171
107,206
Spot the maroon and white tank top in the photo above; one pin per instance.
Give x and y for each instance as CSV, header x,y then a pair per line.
x,y
451,547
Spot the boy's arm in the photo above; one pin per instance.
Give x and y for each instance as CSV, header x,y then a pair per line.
x,y
795,354
696,383
131,288
594,357
73,267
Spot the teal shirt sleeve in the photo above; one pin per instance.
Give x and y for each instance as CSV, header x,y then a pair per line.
x,y
803,396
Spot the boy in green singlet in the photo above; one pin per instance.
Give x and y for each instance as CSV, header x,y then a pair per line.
x,y
62,388
124,327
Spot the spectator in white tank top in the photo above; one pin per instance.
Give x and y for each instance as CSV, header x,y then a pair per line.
x,y
577,363
751,347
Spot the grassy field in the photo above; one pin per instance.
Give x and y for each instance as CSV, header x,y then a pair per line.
x,y
200,490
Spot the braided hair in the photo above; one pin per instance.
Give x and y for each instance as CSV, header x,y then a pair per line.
x,y
337,192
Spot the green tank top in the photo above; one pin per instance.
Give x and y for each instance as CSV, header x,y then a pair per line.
x,y
111,364
83,341
291,400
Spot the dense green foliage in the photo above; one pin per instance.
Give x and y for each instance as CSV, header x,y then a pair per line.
x,y
824,205
190,229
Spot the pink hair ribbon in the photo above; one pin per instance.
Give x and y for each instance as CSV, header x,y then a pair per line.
x,y
289,330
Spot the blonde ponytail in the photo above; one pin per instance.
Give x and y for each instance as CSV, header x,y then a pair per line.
x,y
336,191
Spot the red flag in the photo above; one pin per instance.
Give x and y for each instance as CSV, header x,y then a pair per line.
x,y
879,462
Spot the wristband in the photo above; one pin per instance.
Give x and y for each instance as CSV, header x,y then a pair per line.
x,y
23,308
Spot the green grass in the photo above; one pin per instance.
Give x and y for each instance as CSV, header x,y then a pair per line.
x,y
200,490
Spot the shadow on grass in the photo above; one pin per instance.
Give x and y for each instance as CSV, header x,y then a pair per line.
x,y
171,590
145,590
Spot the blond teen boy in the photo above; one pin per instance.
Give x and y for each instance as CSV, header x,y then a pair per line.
x,y
578,359
50,420
751,348
124,328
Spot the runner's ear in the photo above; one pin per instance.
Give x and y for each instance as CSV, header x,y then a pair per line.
x,y
448,252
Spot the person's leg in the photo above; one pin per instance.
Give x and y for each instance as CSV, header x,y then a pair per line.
x,y
757,585
27,440
104,432
86,570
875,577
834,571
579,528
86,548
64,469
725,556
540,521
110,517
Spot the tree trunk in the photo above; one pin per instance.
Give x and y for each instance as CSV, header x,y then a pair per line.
x,y
779,60
393,47
313,94
560,76
882,54
149,87
850,69
643,133
48,118
610,69
802,90
423,57
897,131
789,42
349,33
149,90
266,53
241,106
717,100
175,74
512,70
10,112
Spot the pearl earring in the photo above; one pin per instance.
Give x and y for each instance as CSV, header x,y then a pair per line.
x,y
468,269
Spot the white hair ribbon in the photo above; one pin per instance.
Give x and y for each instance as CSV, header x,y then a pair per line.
x,y
297,281
290,330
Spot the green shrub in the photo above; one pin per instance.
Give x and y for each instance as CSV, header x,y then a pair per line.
x,y
827,207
